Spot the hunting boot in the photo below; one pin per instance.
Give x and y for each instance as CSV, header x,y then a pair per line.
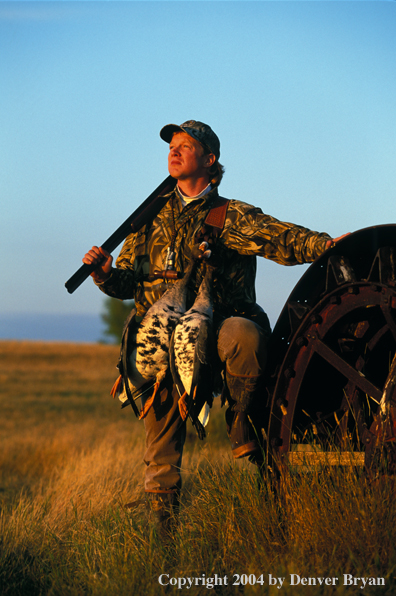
x,y
243,436
165,510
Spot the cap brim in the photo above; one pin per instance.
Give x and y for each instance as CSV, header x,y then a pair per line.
x,y
168,131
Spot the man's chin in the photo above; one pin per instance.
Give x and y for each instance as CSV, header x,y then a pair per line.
x,y
174,172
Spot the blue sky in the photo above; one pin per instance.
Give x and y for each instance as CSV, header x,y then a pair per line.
x,y
301,94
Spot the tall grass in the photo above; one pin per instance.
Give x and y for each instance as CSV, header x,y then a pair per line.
x,y
70,460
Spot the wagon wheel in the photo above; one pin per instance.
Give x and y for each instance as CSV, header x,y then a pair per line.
x,y
332,373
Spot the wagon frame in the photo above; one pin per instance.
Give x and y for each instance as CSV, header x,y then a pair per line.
x,y
331,373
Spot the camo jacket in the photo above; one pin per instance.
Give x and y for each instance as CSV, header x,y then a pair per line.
x,y
247,232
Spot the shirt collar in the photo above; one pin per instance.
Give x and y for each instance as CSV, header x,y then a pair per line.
x,y
185,199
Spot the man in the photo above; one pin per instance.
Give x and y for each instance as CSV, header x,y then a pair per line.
x,y
241,325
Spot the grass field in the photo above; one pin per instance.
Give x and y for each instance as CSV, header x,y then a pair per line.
x,y
70,459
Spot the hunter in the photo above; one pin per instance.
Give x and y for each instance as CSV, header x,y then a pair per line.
x,y
242,327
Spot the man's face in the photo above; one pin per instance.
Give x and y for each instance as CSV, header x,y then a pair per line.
x,y
186,159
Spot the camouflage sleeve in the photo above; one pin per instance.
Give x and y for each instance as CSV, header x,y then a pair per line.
x,y
121,283
250,232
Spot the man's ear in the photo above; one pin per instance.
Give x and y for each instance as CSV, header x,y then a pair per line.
x,y
210,159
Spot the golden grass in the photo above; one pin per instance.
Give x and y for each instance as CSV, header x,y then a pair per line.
x,y
70,459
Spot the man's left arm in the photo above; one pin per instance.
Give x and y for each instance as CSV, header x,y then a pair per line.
x,y
251,232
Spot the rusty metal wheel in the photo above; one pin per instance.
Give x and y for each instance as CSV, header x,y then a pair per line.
x,y
332,372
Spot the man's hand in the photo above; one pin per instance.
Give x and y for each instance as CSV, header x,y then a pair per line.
x,y
334,241
103,260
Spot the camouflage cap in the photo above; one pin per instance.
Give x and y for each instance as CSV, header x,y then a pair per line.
x,y
197,130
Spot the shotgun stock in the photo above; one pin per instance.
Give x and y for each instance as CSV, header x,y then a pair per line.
x,y
146,211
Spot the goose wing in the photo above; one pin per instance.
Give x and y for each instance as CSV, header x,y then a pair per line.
x,y
173,367
205,355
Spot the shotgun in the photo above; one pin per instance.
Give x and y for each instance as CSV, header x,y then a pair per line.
x,y
142,215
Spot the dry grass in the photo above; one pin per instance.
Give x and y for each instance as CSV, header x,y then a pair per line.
x,y
70,460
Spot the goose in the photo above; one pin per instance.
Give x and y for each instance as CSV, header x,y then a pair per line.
x,y
147,350
192,356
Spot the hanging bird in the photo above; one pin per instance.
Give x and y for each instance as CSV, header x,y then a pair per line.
x,y
192,356
146,355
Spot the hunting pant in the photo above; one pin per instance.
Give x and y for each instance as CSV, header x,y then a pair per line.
x,y
242,348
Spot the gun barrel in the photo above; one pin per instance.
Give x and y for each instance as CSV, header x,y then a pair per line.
x,y
146,211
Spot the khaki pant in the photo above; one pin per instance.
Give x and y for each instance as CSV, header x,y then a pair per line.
x,y
242,348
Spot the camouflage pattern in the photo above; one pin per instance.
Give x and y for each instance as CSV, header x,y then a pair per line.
x,y
197,130
247,233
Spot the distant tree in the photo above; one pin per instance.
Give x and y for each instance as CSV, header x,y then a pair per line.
x,y
114,316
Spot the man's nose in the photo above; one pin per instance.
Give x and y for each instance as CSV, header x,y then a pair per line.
x,y
175,151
